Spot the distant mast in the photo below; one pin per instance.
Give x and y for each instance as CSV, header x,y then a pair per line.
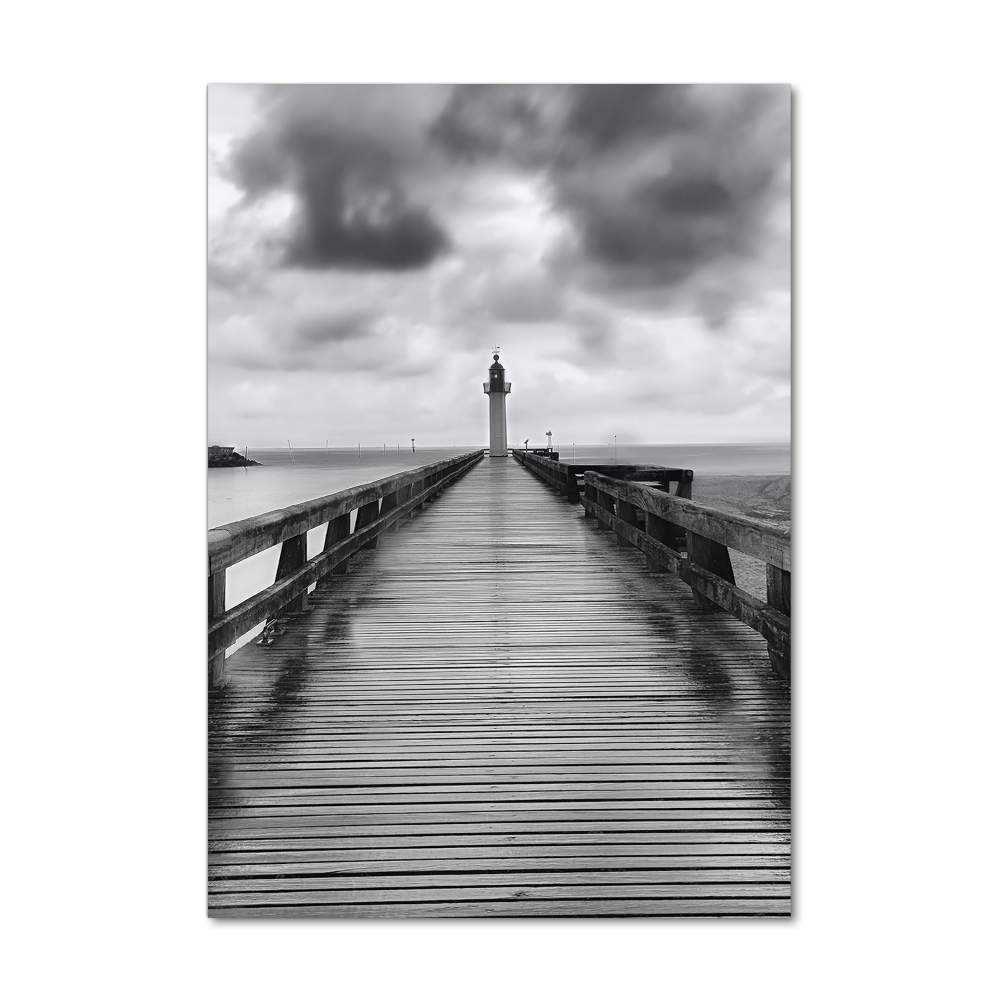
x,y
497,390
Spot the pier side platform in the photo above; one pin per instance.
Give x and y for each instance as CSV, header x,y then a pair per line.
x,y
501,712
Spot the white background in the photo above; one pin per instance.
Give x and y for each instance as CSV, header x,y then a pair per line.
x,y
103,421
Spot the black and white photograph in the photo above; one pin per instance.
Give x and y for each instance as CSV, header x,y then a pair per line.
x,y
499,500
472,364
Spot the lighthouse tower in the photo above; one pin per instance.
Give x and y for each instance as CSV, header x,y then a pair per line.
x,y
497,390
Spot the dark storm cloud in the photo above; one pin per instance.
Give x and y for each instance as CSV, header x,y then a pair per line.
x,y
359,340
353,209
489,121
335,329
602,116
670,189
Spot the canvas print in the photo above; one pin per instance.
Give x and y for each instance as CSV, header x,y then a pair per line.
x,y
499,500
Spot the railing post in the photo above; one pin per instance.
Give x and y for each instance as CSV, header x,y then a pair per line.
x,y
660,531
293,555
389,502
607,501
779,596
626,513
714,557
216,607
591,494
572,488
336,531
675,537
403,494
367,514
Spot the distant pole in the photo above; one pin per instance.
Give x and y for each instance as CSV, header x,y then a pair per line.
x,y
359,449
574,451
290,451
616,449
413,445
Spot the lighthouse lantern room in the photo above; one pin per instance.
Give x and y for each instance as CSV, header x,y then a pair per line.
x,y
497,390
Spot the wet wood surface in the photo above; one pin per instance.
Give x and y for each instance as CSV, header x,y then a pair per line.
x,y
500,711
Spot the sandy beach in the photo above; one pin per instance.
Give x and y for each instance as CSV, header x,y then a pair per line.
x,y
766,497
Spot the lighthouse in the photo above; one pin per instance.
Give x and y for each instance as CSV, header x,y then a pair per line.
x,y
497,390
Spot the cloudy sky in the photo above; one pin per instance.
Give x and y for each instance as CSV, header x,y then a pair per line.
x,y
628,247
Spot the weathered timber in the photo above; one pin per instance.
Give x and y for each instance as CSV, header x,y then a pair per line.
x,y
368,514
779,597
232,543
677,537
566,476
714,557
602,748
336,531
628,513
295,575
772,624
216,607
607,502
767,542
293,555
660,531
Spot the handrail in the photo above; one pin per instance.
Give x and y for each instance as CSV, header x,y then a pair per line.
x,y
231,543
379,505
566,476
770,543
649,519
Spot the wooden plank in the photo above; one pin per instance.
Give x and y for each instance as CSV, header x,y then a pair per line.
x,y
765,541
338,529
216,607
522,908
226,629
663,532
292,558
628,513
498,713
231,543
651,473
368,514
774,626
713,557
606,501
779,597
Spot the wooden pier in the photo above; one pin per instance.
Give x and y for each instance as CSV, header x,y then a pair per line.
x,y
500,710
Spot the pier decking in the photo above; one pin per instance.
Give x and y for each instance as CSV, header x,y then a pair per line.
x,y
501,711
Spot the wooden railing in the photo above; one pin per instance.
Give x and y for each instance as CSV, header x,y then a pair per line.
x,y
567,477
661,525
378,505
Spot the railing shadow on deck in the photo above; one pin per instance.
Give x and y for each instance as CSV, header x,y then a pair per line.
x,y
379,505
686,538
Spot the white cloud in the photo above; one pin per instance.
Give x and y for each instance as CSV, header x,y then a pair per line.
x,y
368,349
